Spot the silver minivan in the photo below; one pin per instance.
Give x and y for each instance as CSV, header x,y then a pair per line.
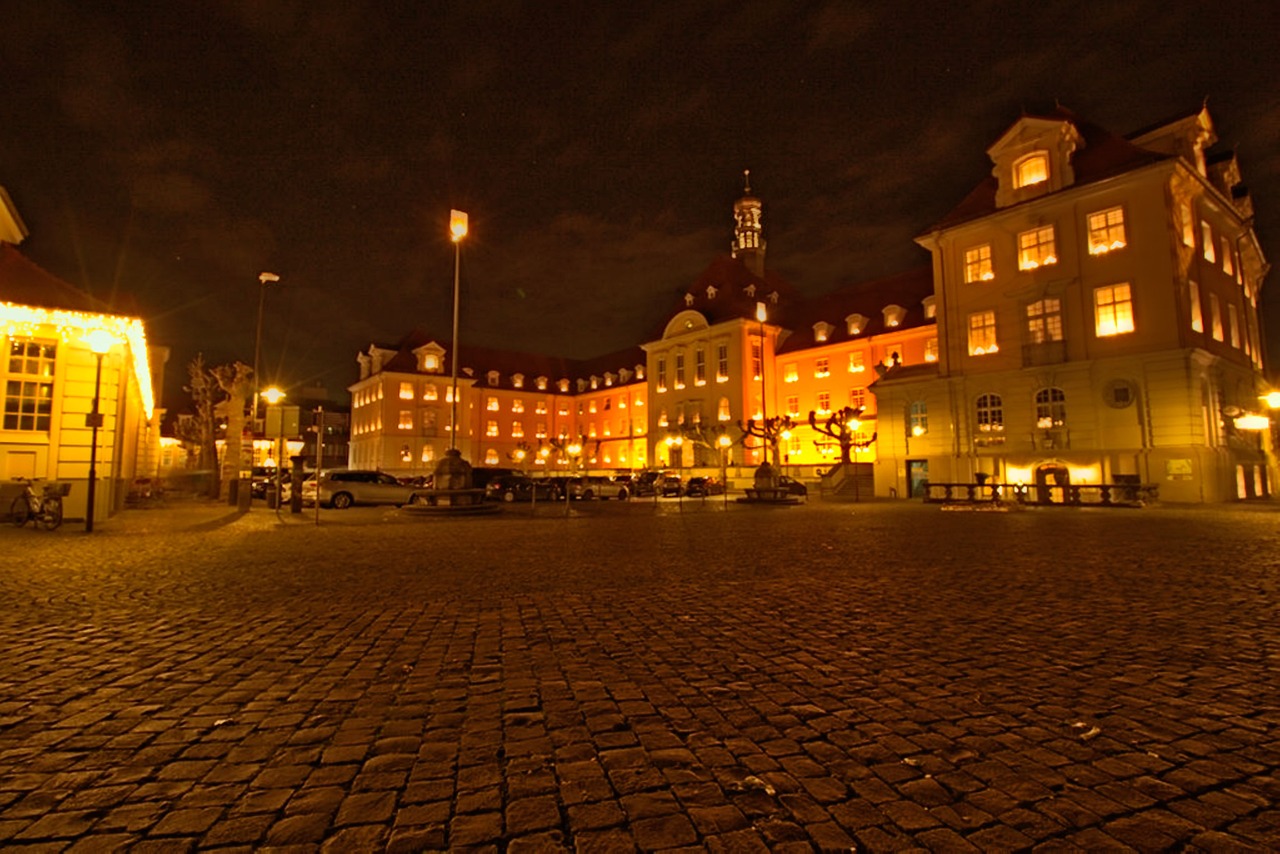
x,y
341,489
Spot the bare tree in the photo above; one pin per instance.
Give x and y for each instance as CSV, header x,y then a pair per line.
x,y
234,381
201,431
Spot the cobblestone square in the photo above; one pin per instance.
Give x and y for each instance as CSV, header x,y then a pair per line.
x,y
644,676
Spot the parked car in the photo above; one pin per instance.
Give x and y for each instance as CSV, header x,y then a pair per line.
x,y
792,486
703,486
261,477
517,487
669,486
481,475
605,488
645,483
341,489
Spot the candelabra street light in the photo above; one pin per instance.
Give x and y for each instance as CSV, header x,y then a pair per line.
x,y
100,342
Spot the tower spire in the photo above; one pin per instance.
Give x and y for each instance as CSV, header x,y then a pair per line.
x,y
748,234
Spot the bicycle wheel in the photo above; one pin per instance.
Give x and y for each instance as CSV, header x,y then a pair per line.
x,y
20,511
51,518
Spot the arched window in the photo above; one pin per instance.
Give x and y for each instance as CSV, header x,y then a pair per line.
x,y
990,414
1051,408
1031,169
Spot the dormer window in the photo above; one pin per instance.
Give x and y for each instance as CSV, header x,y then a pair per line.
x,y
1031,169
750,290
773,297
855,324
608,379
517,380
564,386
595,382
711,291
930,307
431,362
822,331
541,383
894,315
688,299
494,378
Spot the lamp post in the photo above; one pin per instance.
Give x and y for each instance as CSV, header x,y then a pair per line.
x,y
724,442
263,280
100,342
273,396
457,231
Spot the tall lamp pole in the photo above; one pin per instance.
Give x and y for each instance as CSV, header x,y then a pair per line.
x,y
263,279
100,342
273,396
457,231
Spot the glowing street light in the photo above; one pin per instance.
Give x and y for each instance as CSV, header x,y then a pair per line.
x,y
100,342
457,231
273,396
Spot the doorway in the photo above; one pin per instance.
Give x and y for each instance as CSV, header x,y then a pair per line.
x,y
918,477
1052,481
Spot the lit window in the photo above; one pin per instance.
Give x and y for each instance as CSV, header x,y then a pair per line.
x,y
491,404
822,368
494,378
1226,257
977,264
793,406
680,370
540,407
430,362
430,392
491,429
1113,310
28,396
1197,316
1233,325
517,405
429,421
990,414
724,409
855,323
517,430
662,373
722,363
428,453
592,407
564,386
699,366
406,391
1106,231
406,419
931,350
406,454
982,333
591,430
790,373
857,363
1206,239
1188,224
822,331
1044,321
1036,248
491,457
1215,317
1051,408
517,380
540,383
918,418
1032,169
824,402
757,359
858,398
540,431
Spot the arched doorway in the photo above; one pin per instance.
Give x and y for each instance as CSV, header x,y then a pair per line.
x,y
1052,480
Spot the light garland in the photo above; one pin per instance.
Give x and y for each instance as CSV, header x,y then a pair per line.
x,y
25,321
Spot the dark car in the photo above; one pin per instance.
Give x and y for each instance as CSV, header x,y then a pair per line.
x,y
792,486
703,486
517,487
262,477
645,483
669,486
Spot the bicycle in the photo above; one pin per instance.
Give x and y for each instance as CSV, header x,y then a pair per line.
x,y
42,509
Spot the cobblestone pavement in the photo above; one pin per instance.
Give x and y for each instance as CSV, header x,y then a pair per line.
x,y
644,676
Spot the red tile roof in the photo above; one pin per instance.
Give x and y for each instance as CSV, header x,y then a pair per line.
x,y
24,282
907,289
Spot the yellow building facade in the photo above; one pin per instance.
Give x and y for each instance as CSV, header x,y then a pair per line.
x,y
51,375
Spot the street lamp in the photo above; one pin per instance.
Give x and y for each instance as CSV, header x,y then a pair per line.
x,y
273,396
100,342
724,443
457,231
263,280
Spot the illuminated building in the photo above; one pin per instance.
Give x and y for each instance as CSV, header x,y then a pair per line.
x,y
1090,316
50,374
1098,322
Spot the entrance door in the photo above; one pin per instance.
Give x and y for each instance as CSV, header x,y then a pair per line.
x,y
1051,484
918,477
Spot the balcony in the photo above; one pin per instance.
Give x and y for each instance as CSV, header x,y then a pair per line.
x,y
1044,353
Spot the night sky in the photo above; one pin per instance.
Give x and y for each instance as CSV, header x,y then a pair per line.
x,y
163,154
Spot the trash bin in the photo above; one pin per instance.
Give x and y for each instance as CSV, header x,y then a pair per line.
x,y
245,497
